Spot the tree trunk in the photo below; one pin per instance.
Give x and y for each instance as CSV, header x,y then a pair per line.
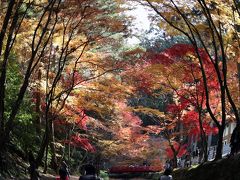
x,y
45,162
38,103
7,18
45,143
5,136
175,161
219,144
204,146
52,146
205,155
15,108
222,127
238,67
204,143
69,145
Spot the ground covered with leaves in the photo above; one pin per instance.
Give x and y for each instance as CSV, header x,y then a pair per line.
x,y
225,169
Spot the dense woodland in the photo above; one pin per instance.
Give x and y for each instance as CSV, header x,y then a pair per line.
x,y
72,89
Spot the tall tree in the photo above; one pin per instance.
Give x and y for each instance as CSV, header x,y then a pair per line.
x,y
207,25
52,36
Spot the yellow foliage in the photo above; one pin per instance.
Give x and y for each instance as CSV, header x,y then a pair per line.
x,y
149,111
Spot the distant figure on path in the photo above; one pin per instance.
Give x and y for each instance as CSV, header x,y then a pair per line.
x,y
167,175
64,172
167,164
32,169
235,141
90,173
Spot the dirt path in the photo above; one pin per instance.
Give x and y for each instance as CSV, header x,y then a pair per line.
x,y
51,177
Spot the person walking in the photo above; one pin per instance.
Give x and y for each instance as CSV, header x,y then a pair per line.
x,y
32,169
90,173
64,172
167,175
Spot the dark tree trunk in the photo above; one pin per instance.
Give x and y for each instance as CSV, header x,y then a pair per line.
x,y
204,144
238,67
38,104
43,147
219,144
52,146
3,67
31,66
175,161
45,161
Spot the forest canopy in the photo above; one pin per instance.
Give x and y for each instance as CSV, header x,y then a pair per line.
x,y
72,87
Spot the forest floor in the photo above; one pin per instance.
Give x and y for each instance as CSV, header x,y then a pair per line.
x,y
224,169
52,177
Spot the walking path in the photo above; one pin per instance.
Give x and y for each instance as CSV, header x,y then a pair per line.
x,y
51,177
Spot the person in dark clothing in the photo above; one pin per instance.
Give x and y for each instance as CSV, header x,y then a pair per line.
x,y
235,141
32,169
64,171
90,173
167,174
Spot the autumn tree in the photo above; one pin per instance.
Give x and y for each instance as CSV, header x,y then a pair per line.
x,y
180,73
128,142
80,66
50,39
13,17
175,71
207,25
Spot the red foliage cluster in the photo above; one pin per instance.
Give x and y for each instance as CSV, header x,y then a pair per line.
x,y
190,117
80,118
182,150
176,109
134,169
131,119
191,120
71,79
83,143
61,122
176,53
